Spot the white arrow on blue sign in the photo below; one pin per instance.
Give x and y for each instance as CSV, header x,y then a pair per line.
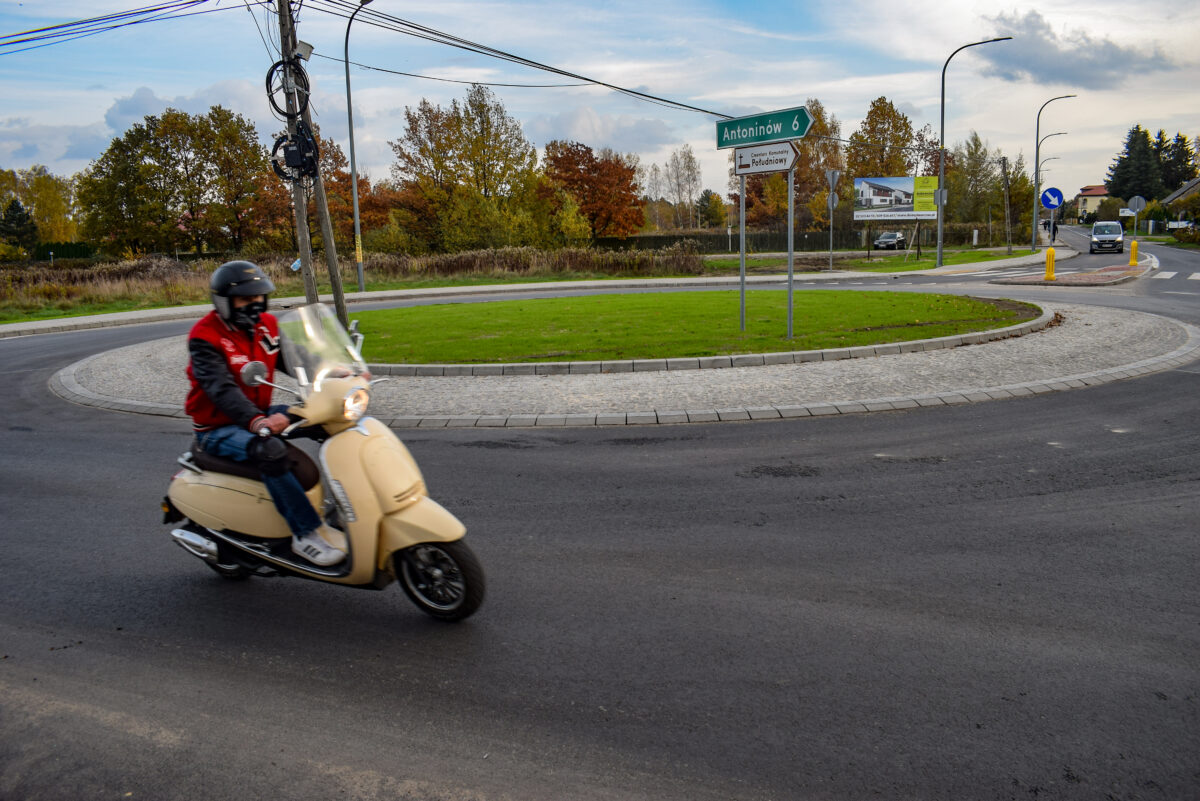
x,y
1052,198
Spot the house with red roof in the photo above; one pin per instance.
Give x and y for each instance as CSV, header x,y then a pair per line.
x,y
1089,199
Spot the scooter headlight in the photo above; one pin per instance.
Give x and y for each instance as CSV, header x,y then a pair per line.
x,y
356,404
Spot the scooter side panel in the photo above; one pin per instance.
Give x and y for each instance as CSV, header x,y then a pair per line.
x,y
341,462
224,502
424,521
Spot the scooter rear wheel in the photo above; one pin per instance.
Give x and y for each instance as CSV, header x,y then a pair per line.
x,y
444,579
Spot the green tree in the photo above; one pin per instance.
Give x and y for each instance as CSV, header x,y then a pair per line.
x,y
49,198
1109,209
236,164
1136,171
492,151
124,202
710,209
473,149
177,150
880,146
1178,163
17,226
8,186
973,182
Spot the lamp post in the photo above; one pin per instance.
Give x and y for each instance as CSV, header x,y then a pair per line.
x,y
1037,190
1037,178
941,190
353,171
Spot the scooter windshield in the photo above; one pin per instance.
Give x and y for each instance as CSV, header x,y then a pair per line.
x,y
316,346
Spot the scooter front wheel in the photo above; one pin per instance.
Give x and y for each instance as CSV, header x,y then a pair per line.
x,y
444,579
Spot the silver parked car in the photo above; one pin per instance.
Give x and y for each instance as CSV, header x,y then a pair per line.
x,y
1107,236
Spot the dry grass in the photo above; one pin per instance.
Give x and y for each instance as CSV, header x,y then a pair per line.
x,y
153,281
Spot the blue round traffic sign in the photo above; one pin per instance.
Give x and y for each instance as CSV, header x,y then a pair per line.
x,y
1052,198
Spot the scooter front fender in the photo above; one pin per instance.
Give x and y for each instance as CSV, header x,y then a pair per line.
x,y
424,521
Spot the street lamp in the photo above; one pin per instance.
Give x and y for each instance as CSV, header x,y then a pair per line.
x,y
941,196
354,172
1037,189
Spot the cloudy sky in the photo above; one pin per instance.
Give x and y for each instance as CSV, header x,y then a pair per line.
x,y
60,105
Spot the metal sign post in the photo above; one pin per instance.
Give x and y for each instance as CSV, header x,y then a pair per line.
x,y
742,248
1052,198
1136,204
764,145
758,160
791,242
832,177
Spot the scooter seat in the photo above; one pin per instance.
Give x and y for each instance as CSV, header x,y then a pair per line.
x,y
302,465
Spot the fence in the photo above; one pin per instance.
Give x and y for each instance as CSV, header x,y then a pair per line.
x,y
63,250
953,235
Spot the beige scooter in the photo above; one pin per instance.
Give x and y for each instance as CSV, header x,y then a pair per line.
x,y
367,485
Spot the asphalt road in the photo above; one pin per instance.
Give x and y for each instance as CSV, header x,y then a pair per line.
x,y
989,601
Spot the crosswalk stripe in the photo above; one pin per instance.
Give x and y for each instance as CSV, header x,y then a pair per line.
x,y
1165,275
1194,277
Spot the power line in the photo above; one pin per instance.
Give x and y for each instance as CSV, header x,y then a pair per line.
x,y
343,8
270,53
79,29
451,80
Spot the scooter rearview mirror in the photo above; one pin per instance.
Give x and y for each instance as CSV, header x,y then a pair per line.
x,y
254,373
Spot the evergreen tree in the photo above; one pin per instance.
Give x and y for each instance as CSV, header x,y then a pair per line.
x,y
17,226
1179,163
1136,171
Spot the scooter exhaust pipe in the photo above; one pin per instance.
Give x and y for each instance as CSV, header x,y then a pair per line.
x,y
196,545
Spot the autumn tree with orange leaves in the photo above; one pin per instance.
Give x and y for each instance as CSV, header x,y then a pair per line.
x,y
603,185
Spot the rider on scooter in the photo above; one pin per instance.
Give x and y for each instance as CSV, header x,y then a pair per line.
x,y
236,421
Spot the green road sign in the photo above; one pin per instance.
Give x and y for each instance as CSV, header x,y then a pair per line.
x,y
759,129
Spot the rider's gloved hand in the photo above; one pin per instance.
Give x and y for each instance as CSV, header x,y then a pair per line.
x,y
275,423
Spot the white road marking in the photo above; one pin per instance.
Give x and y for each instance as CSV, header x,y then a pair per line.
x,y
1194,277
1166,275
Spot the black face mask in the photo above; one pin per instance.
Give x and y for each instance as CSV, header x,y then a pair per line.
x,y
247,317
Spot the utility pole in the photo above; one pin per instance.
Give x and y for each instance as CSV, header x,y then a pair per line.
x,y
1007,222
299,199
287,33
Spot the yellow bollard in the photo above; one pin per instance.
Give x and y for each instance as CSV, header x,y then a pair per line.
x,y
1133,253
1049,264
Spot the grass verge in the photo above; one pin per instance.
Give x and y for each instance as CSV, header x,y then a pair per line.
x,y
669,325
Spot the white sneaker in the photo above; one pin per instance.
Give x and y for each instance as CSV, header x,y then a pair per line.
x,y
325,546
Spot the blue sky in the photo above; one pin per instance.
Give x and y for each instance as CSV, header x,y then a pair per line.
x,y
61,105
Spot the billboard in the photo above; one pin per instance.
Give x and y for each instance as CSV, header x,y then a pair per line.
x,y
902,198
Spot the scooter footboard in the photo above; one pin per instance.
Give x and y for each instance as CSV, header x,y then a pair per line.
x,y
424,521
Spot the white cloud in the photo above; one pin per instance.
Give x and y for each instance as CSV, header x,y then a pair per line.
x,y
621,132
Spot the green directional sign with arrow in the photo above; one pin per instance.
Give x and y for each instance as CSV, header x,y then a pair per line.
x,y
759,129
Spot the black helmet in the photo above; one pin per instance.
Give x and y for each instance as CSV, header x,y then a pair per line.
x,y
236,278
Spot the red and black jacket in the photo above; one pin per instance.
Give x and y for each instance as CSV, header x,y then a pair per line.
x,y
217,352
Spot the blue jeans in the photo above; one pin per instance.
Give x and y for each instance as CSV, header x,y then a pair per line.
x,y
232,442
